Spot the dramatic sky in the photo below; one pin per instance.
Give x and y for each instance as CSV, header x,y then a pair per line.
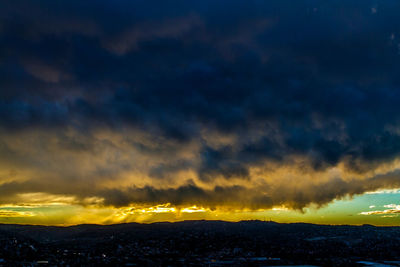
x,y
129,110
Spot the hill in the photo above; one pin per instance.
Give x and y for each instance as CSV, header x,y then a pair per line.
x,y
199,243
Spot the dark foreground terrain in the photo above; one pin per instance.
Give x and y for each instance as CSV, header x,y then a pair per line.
x,y
200,243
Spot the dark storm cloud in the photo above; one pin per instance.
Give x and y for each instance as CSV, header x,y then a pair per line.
x,y
220,162
262,197
309,79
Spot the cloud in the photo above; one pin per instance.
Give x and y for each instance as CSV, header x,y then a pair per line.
x,y
217,105
391,209
392,206
45,73
131,39
15,214
385,191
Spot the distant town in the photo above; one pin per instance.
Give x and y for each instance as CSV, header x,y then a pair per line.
x,y
200,243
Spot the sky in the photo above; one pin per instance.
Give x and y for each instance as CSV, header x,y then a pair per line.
x,y
146,111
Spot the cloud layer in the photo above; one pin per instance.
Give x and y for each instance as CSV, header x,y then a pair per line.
x,y
215,104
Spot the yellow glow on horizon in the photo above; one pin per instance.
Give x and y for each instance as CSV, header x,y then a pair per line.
x,y
280,208
15,214
162,208
193,209
64,210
